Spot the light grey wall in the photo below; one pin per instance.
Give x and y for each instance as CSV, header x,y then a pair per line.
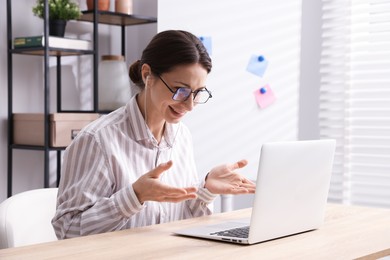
x,y
310,70
3,103
309,82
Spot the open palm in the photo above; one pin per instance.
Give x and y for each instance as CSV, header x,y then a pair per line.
x,y
224,180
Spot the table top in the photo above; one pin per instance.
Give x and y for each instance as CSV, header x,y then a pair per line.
x,y
349,232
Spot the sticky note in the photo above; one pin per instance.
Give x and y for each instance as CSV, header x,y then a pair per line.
x,y
264,96
207,43
257,65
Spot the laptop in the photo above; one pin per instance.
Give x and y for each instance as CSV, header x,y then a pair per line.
x,y
291,194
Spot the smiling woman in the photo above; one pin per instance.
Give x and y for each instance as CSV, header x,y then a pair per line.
x,y
171,107
135,166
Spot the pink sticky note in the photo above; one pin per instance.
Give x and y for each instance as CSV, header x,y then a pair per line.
x,y
264,96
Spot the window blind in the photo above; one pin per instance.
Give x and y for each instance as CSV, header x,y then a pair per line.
x,y
355,98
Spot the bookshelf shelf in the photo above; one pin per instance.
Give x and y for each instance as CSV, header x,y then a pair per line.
x,y
40,51
112,18
92,16
36,147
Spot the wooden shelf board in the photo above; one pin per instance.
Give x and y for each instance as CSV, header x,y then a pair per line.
x,y
40,51
112,18
35,147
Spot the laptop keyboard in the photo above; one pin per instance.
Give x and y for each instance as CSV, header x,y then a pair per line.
x,y
241,232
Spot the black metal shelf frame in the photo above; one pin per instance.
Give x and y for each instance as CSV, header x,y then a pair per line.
x,y
45,55
94,16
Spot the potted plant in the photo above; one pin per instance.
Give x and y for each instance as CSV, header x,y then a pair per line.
x,y
60,11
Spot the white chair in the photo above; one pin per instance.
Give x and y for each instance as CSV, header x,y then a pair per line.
x,y
25,218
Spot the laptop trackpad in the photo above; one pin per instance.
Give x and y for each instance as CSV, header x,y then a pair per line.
x,y
229,225
206,230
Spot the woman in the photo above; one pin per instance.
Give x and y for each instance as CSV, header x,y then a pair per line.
x,y
135,166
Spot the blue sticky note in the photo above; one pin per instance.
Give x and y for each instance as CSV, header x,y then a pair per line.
x,y
207,43
257,65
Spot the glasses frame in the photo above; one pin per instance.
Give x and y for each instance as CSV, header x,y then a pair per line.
x,y
175,92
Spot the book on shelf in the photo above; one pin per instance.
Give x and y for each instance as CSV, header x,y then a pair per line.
x,y
54,42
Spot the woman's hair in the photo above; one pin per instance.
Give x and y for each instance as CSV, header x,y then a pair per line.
x,y
167,50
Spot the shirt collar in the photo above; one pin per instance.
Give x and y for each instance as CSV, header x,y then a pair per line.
x,y
140,129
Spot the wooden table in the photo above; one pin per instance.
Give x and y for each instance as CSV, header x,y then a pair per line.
x,y
349,232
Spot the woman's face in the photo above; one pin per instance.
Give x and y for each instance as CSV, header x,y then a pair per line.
x,y
164,107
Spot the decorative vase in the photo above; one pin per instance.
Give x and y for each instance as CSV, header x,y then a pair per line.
x,y
103,5
114,83
124,6
57,27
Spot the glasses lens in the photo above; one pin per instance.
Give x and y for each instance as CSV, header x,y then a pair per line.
x,y
182,94
201,96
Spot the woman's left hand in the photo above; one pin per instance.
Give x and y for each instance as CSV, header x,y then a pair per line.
x,y
224,180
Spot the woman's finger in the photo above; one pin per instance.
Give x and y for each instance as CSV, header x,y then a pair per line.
x,y
156,172
238,165
191,189
174,191
245,180
178,198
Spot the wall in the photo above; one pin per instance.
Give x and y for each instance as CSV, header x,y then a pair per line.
x,y
231,126
3,103
309,90
309,82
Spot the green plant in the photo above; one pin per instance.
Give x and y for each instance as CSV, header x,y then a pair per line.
x,y
58,9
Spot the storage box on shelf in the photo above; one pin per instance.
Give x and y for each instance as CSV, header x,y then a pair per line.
x,y
28,128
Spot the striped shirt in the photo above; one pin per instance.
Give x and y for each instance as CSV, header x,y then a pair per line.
x,y
95,193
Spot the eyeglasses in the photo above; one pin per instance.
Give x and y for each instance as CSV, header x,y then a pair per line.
x,y
201,96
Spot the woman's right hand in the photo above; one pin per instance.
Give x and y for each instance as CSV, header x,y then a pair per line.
x,y
149,188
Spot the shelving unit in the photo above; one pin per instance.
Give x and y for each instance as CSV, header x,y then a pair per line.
x,y
94,16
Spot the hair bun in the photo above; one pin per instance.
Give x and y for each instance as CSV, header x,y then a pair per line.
x,y
135,73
